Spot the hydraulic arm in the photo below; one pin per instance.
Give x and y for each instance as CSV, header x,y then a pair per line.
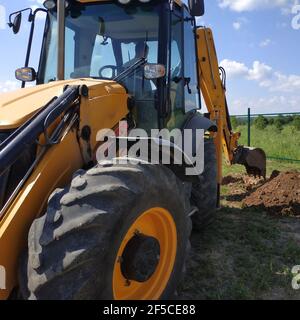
x,y
214,93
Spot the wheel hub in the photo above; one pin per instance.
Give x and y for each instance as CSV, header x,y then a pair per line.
x,y
140,258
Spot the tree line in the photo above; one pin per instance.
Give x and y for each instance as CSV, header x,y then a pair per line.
x,y
261,122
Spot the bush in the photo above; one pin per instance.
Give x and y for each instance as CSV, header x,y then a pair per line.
x,y
261,122
289,119
279,122
234,122
296,123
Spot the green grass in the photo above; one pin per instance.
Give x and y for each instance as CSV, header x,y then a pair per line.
x,y
245,253
283,143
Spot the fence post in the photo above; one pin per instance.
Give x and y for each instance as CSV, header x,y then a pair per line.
x,y
249,127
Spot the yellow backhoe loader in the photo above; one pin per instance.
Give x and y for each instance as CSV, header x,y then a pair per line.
x,y
73,227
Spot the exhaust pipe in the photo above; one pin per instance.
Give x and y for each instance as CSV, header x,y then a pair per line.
x,y
254,159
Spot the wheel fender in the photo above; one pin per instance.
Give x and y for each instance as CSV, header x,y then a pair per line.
x,y
198,121
167,149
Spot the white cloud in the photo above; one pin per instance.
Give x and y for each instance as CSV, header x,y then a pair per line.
x,y
285,83
276,103
234,68
259,72
265,43
251,5
237,25
8,85
264,75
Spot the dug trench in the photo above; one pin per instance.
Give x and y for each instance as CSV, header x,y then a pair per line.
x,y
252,246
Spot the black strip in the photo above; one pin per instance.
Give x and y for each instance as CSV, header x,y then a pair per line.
x,y
228,115
163,59
43,51
197,63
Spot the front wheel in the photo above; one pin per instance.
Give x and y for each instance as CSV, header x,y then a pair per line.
x,y
119,232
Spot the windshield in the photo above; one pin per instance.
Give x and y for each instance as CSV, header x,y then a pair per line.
x,y
102,35
102,41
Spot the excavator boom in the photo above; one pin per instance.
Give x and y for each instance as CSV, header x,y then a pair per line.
x,y
213,89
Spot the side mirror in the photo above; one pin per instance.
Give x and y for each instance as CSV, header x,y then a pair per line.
x,y
25,74
16,23
197,8
154,71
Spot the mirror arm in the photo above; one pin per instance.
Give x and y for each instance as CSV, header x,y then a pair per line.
x,y
10,23
29,47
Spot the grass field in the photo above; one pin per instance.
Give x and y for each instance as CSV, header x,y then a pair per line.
x,y
271,166
283,143
245,253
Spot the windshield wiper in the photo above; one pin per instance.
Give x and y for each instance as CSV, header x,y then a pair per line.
x,y
139,63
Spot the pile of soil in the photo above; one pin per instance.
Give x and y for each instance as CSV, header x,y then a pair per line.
x,y
238,187
248,182
229,180
280,195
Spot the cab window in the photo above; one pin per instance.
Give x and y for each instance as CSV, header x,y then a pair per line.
x,y
191,90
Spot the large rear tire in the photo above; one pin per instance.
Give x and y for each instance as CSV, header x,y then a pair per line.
x,y
118,232
205,192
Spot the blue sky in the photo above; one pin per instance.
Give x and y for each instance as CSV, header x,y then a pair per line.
x,y
255,40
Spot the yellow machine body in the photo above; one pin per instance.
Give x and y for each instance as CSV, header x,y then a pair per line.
x,y
104,107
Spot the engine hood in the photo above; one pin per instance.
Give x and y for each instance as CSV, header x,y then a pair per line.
x,y
18,106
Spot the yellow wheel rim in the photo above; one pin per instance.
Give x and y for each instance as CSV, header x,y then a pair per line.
x,y
159,224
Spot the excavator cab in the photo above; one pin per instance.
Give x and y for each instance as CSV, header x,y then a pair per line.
x,y
128,42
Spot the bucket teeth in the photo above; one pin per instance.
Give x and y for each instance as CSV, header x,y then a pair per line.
x,y
254,159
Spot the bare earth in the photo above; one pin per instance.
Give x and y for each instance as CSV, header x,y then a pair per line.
x,y
251,248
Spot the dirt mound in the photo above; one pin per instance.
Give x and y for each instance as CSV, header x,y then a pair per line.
x,y
232,179
248,181
280,195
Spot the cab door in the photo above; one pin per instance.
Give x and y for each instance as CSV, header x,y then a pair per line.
x,y
184,94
